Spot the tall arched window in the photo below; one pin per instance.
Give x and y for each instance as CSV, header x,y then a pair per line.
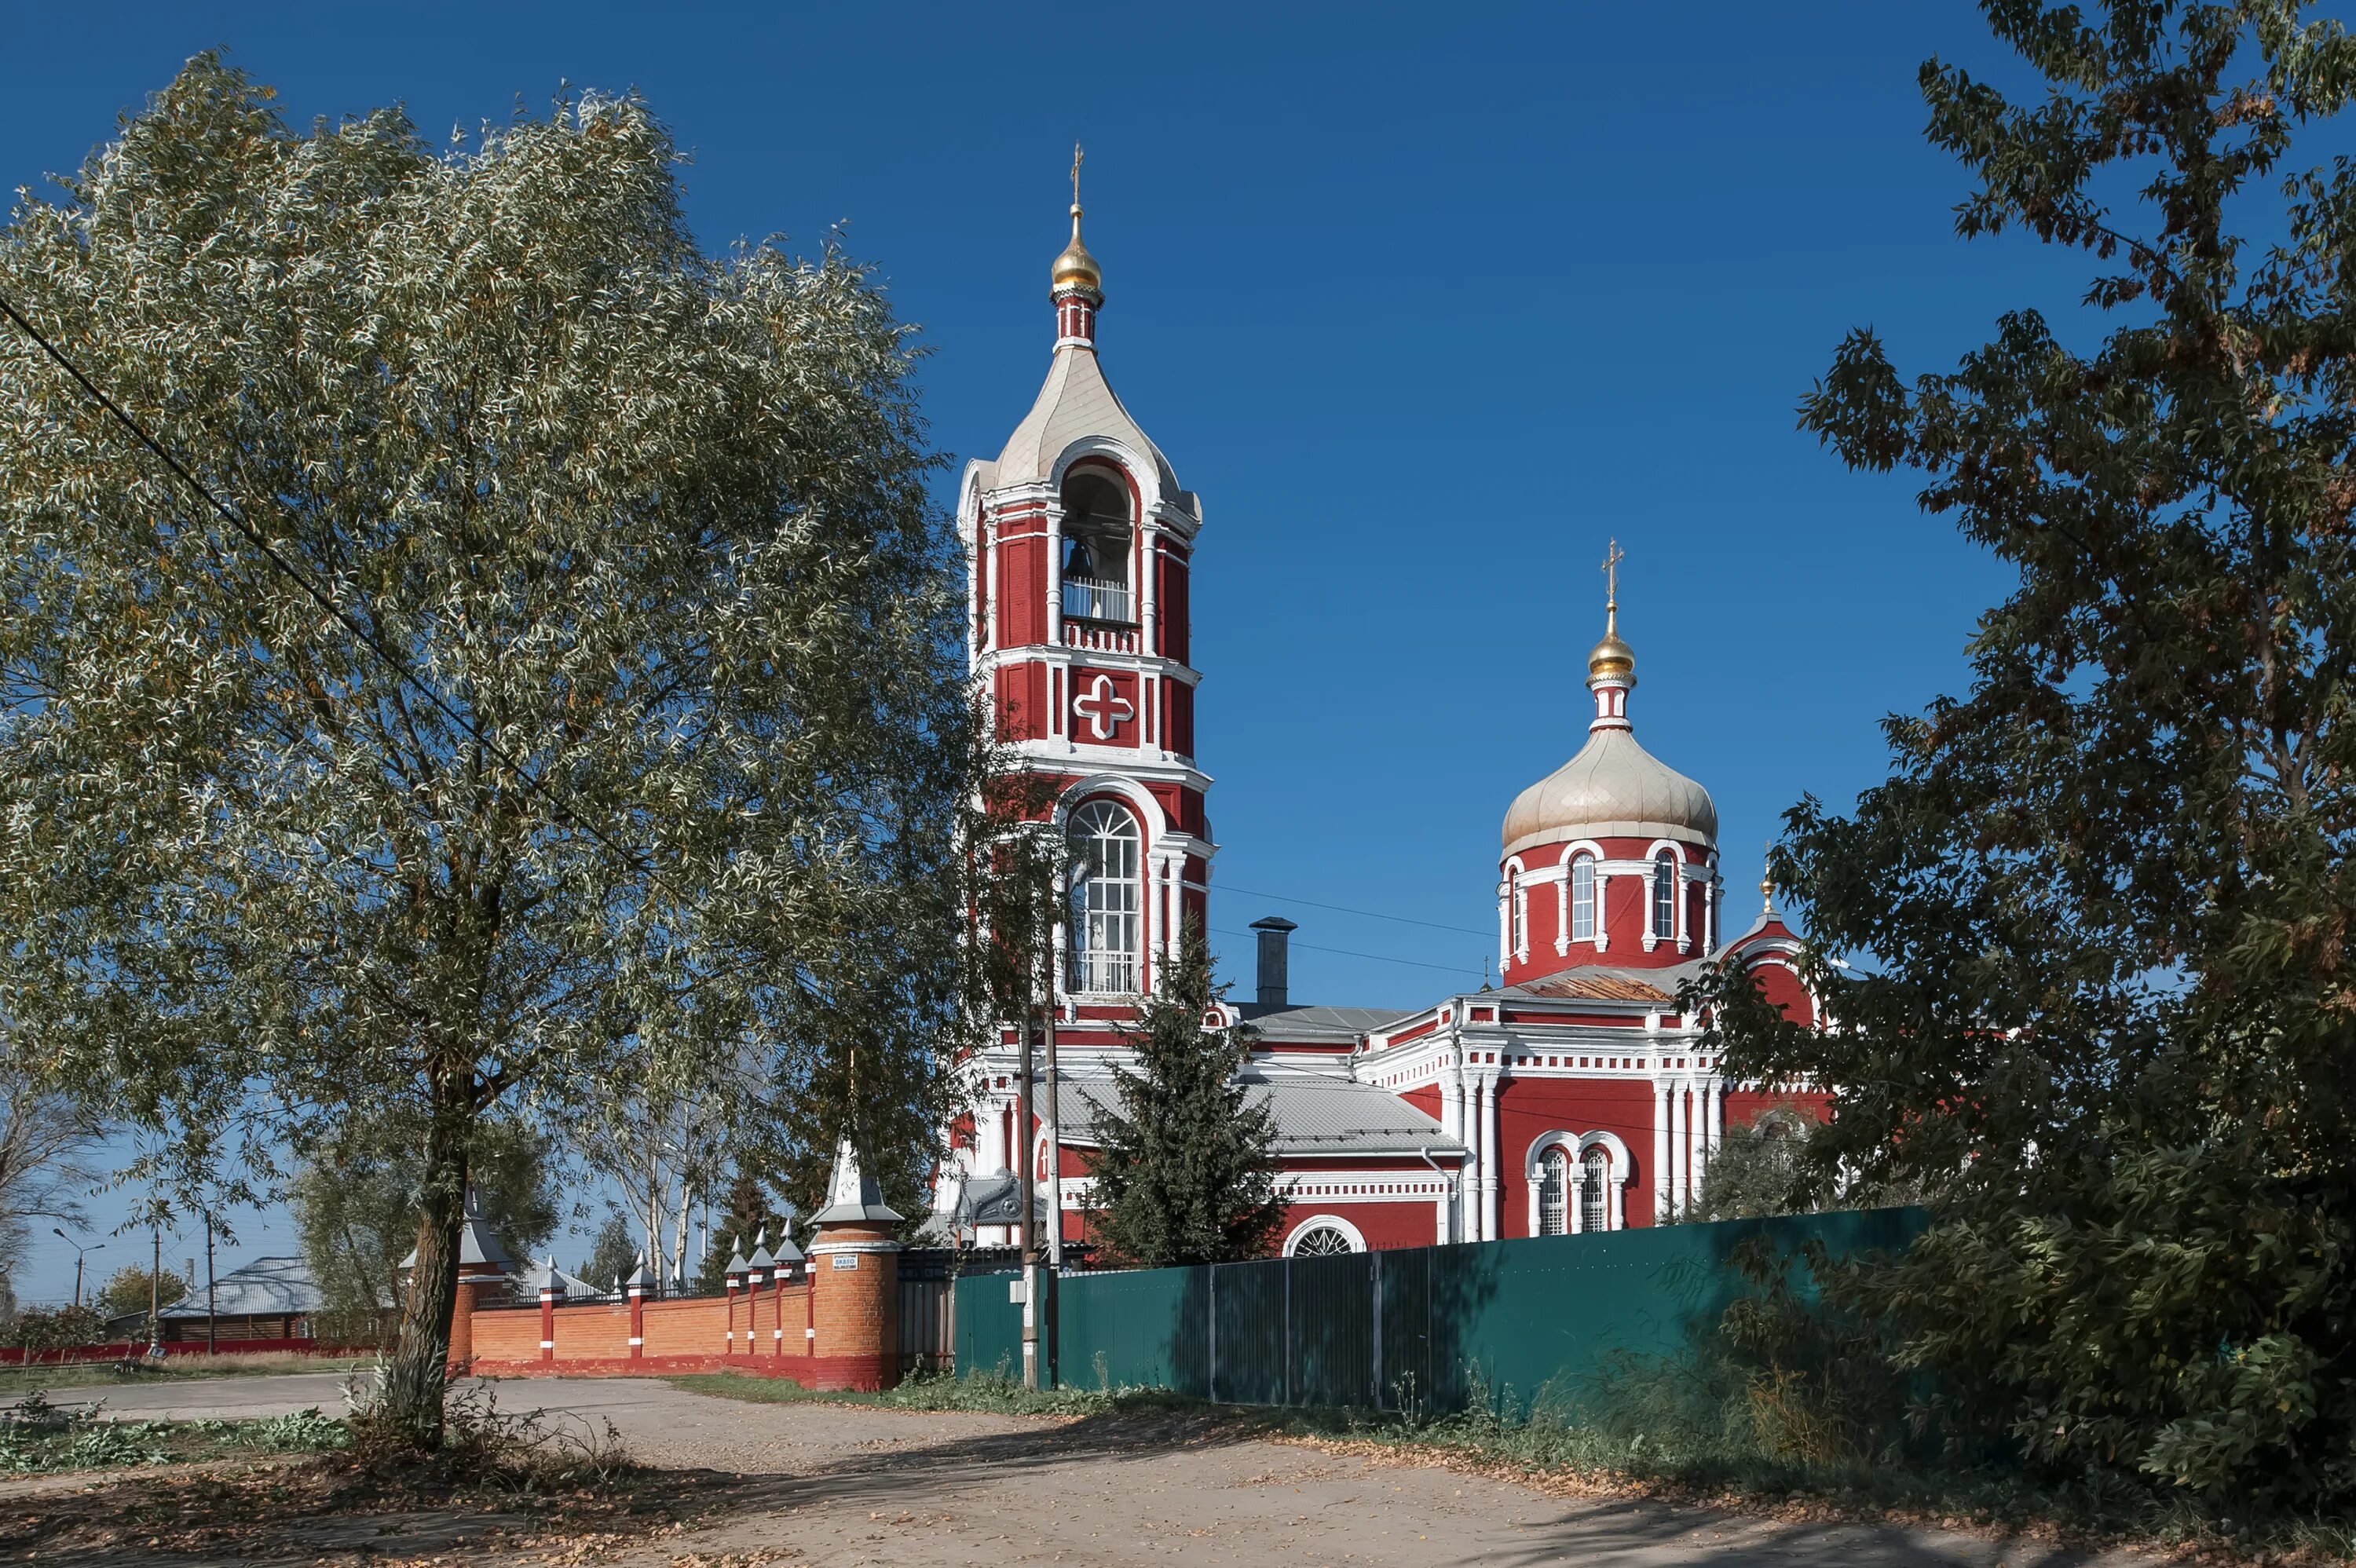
x,y
1105,899
1582,899
1594,1203
1097,541
1554,1192
1520,942
1665,895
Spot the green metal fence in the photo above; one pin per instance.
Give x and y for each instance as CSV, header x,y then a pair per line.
x,y
1412,1325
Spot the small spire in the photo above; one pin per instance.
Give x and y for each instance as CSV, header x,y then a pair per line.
x,y
1766,885
1611,664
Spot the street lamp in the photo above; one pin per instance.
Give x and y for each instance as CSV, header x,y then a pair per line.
x,y
80,1253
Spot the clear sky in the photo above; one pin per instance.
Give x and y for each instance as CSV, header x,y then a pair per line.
x,y
1426,304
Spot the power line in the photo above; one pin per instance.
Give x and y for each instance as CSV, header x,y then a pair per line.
x,y
559,814
1344,909
1376,957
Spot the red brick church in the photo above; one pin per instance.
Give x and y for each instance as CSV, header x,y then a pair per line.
x,y
1576,1097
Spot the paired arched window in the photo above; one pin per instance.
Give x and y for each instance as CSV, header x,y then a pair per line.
x,y
1554,1192
1582,899
1107,900
1665,895
1594,1200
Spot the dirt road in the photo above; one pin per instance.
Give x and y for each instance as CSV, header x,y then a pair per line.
x,y
845,1485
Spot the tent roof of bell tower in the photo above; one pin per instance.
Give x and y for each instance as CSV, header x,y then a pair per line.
x,y
1077,403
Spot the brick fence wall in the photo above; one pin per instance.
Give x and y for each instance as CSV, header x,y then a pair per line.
x,y
767,1332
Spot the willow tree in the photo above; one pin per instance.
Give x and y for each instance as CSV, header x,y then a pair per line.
x,y
635,737
2108,894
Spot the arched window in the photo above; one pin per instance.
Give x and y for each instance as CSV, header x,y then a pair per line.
x,y
1665,895
1554,1193
1096,536
1322,1241
1594,1203
1582,899
1105,899
1520,933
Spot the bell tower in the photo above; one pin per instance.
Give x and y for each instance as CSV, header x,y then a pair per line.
x,y
1079,546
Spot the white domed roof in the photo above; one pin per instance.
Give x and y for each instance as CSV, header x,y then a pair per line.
x,y
1612,789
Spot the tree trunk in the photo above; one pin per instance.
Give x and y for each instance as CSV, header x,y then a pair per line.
x,y
413,1383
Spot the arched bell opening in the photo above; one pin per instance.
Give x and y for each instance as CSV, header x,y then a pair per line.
x,y
1099,532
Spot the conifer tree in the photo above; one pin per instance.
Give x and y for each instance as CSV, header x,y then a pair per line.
x,y
1185,1166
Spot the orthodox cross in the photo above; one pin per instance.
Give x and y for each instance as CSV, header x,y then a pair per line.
x,y
1078,157
1611,559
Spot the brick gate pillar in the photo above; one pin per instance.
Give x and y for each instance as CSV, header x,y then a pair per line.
x,y
640,1277
854,1267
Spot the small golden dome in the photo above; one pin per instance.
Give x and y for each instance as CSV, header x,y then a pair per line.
x,y
1075,268
1611,659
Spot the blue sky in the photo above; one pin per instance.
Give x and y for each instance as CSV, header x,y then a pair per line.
x,y
1426,304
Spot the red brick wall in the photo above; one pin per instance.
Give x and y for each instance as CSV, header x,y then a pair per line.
x,y
508,1333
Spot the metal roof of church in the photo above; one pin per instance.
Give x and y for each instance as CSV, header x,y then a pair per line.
x,y
1341,1027
1316,1113
1076,402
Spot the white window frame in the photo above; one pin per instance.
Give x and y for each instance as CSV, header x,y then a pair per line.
x,y
1106,920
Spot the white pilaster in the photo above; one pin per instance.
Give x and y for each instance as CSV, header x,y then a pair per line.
x,y
1602,932
1489,1183
1054,575
1660,1182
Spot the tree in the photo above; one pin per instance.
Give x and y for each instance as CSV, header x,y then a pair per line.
x,y
750,1212
356,1200
664,1149
1757,1172
636,732
126,1290
1184,1166
2107,895
614,1255
47,1140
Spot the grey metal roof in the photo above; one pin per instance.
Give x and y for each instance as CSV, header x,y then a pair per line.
x,y
267,1287
853,1196
1316,1113
1075,403
1612,789
477,1245
1338,1027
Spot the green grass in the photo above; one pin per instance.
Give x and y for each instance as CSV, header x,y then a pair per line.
x,y
994,1395
98,1374
37,1438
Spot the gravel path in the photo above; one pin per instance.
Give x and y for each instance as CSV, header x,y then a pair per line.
x,y
850,1485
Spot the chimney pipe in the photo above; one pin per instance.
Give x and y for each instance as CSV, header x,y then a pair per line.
x,y
1275,958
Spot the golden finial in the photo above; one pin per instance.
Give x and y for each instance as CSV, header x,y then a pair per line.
x,y
1612,658
1766,883
1075,268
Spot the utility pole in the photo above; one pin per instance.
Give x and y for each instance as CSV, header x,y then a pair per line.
x,y
1053,1274
1029,1185
155,1288
80,1253
212,1302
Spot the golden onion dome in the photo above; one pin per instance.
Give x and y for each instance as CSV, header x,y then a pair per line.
x,y
1075,268
1611,659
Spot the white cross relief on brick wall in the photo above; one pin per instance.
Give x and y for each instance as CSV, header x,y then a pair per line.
x,y
1105,709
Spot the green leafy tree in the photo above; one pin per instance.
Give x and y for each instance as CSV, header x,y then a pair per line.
x,y
1185,1167
614,1254
355,1201
2106,896
126,1290
678,764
